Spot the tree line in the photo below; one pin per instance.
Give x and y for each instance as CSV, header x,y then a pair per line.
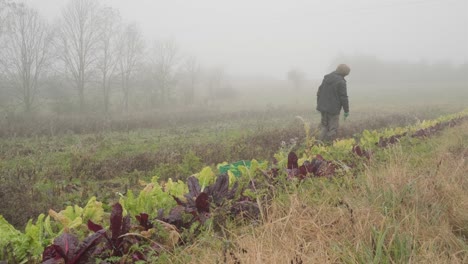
x,y
371,69
91,56
90,60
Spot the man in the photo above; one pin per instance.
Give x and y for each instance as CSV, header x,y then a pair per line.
x,y
331,97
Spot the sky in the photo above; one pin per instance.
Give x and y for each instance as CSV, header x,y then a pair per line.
x,y
269,37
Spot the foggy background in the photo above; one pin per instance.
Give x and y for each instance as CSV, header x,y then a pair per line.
x,y
229,55
96,95
268,37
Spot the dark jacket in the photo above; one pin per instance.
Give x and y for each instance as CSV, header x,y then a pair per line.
x,y
332,94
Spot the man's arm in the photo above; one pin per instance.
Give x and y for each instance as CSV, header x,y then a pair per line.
x,y
343,94
318,91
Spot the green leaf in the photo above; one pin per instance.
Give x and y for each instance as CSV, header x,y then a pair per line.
x,y
205,177
18,247
177,189
48,227
93,211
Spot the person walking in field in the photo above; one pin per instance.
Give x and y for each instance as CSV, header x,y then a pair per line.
x,y
332,96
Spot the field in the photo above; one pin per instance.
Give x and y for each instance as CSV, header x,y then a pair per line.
x,y
187,132
401,207
407,207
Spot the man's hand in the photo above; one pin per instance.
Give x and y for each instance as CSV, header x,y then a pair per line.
x,y
345,115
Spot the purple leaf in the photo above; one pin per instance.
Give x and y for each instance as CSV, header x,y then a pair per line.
x,y
68,244
175,216
94,227
357,150
51,255
54,261
64,247
292,161
193,186
220,189
126,225
144,221
119,225
142,218
116,221
202,203
315,166
303,170
87,247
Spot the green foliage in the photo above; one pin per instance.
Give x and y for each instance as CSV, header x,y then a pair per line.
x,y
76,217
251,194
166,170
232,178
18,247
378,239
150,199
388,132
252,170
281,156
388,245
232,167
93,211
401,247
39,235
369,139
177,189
205,177
248,173
190,164
341,148
232,171
321,150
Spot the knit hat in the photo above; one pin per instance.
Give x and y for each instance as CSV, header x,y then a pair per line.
x,y
343,70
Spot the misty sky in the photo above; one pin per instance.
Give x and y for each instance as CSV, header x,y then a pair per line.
x,y
269,37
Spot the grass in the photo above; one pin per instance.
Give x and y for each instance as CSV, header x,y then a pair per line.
x,y
69,168
411,206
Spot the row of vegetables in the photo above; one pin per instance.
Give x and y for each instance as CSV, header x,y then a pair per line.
x,y
165,215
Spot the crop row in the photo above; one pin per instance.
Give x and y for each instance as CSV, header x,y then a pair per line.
x,y
164,215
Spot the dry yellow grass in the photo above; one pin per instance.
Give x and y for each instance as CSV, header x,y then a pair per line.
x,y
411,208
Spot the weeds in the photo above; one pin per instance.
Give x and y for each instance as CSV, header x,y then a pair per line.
x,y
397,211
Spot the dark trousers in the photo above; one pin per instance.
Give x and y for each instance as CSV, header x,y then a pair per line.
x,y
329,126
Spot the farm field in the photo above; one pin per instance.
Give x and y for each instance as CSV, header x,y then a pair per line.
x,y
65,169
407,206
233,132
76,179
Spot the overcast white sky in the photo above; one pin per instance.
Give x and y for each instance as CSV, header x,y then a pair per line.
x,y
271,36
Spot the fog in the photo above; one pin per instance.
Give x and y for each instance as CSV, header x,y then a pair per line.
x,y
140,56
101,97
268,37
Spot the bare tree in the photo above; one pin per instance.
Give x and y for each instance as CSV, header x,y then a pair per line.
x,y
130,56
108,49
192,70
25,53
78,44
165,60
296,77
5,12
5,8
